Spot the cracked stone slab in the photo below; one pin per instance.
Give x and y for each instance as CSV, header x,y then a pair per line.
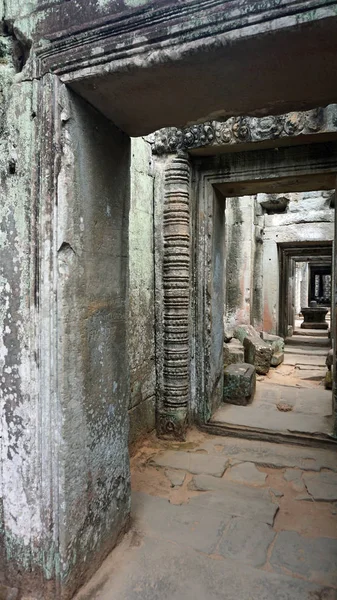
x,y
293,476
314,558
176,477
157,569
196,527
194,462
247,473
269,454
248,416
321,486
247,541
232,499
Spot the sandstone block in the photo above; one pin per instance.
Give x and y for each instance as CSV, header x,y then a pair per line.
x,y
329,359
277,345
328,380
239,384
258,353
233,353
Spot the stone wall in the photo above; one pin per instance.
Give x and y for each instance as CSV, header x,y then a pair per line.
x,y
141,292
308,218
254,228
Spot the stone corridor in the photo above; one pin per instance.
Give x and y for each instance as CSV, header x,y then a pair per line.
x,y
291,399
226,518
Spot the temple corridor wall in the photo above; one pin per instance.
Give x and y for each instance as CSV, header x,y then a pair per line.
x,y
255,226
141,292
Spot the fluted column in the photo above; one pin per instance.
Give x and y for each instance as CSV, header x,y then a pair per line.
x,y
172,411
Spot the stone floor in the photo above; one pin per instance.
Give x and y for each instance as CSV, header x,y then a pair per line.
x,y
292,398
219,518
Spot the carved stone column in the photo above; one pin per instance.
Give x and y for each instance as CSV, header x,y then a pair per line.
x,y
172,410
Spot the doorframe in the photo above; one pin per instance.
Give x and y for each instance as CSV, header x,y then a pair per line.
x,y
293,168
288,253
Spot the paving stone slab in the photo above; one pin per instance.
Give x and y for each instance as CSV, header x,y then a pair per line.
x,y
247,473
269,454
248,416
176,477
195,526
233,499
247,541
292,474
193,462
321,486
160,570
314,558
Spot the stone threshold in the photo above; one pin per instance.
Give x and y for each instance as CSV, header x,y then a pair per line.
x,y
268,435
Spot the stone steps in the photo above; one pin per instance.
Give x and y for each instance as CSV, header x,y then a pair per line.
x,y
311,332
310,340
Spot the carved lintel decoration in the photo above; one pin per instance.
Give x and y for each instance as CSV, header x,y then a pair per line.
x,y
172,413
245,130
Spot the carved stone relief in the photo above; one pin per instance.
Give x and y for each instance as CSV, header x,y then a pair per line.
x,y
236,130
172,414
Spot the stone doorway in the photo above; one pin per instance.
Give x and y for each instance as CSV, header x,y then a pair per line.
x,y
273,413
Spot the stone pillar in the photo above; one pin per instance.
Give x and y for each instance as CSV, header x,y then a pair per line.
x,y
305,285
173,401
270,287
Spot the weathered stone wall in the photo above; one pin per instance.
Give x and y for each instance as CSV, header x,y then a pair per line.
x,y
252,261
91,224
22,496
141,292
239,261
308,218
65,490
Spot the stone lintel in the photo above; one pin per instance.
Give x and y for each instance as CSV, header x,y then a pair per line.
x,y
245,132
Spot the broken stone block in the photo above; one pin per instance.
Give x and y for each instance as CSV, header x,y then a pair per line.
x,y
239,384
233,352
277,345
328,380
329,360
257,351
243,331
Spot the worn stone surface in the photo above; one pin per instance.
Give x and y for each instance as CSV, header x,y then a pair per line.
x,y
141,293
312,558
176,477
321,486
233,352
188,461
233,499
329,359
257,353
239,383
247,541
171,572
273,455
276,359
197,528
328,380
189,543
247,473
